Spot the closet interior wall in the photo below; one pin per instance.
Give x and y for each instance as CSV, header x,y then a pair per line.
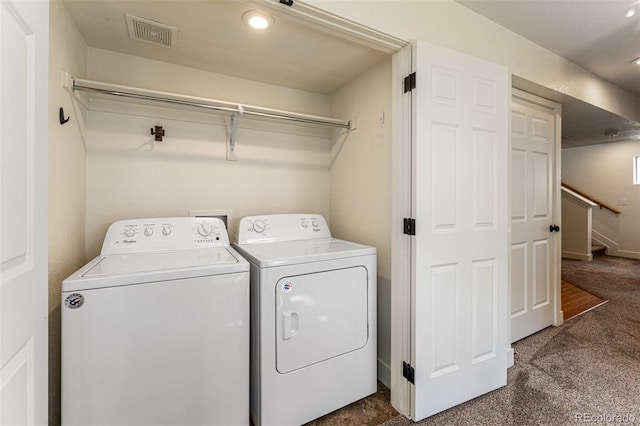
x,y
280,167
360,191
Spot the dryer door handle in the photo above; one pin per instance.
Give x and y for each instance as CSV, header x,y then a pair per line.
x,y
290,324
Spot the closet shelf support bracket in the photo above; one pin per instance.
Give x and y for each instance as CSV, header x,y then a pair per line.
x,y
231,143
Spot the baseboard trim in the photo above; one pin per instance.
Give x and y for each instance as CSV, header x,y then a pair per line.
x,y
384,374
613,248
577,256
628,254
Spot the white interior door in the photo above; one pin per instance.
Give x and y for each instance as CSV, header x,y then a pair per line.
x,y
534,245
24,40
460,183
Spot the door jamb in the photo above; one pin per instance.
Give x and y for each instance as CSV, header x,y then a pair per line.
x,y
401,207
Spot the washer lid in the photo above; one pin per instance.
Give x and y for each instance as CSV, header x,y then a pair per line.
x,y
136,268
266,255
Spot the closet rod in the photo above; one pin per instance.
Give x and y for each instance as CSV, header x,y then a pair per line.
x,y
152,95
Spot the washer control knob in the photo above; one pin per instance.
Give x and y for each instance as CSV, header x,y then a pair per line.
x,y
148,231
259,226
204,230
314,222
305,224
129,232
166,230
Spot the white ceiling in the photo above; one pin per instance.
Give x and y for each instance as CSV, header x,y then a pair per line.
x,y
593,34
212,37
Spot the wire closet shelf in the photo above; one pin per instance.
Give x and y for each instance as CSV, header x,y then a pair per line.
x,y
210,104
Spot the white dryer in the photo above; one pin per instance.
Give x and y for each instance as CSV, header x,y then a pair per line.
x,y
155,330
313,318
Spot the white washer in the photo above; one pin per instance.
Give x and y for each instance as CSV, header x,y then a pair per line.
x,y
313,318
155,330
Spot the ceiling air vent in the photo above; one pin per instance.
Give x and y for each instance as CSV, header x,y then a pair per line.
x,y
149,31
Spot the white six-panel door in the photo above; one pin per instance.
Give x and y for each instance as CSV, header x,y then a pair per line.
x,y
460,250
534,248
24,40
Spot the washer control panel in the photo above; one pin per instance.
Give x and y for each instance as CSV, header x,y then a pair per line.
x,y
282,227
169,233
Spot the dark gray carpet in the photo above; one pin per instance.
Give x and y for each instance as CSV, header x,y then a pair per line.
x,y
586,371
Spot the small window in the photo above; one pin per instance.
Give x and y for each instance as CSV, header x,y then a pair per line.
x,y
636,170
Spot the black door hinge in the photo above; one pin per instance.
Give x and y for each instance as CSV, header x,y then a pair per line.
x,y
409,226
408,372
410,82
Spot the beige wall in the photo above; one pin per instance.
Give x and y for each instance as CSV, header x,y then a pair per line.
x,y
605,172
66,181
361,184
130,176
451,25
576,228
280,168
360,169
118,68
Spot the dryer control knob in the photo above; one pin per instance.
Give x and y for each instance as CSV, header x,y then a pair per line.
x,y
148,231
166,230
259,226
129,233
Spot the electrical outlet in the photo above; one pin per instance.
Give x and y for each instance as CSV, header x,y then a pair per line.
x,y
622,201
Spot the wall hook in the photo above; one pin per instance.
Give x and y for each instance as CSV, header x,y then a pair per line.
x,y
62,119
158,132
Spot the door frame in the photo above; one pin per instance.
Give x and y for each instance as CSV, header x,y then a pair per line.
x,y
556,108
401,252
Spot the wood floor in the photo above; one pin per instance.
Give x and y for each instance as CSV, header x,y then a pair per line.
x,y
576,301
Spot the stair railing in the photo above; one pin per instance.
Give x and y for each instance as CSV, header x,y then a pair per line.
x,y
588,197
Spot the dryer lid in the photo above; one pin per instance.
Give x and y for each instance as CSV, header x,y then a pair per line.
x,y
268,255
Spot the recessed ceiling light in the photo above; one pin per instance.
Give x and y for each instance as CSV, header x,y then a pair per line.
x,y
636,61
257,20
630,13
